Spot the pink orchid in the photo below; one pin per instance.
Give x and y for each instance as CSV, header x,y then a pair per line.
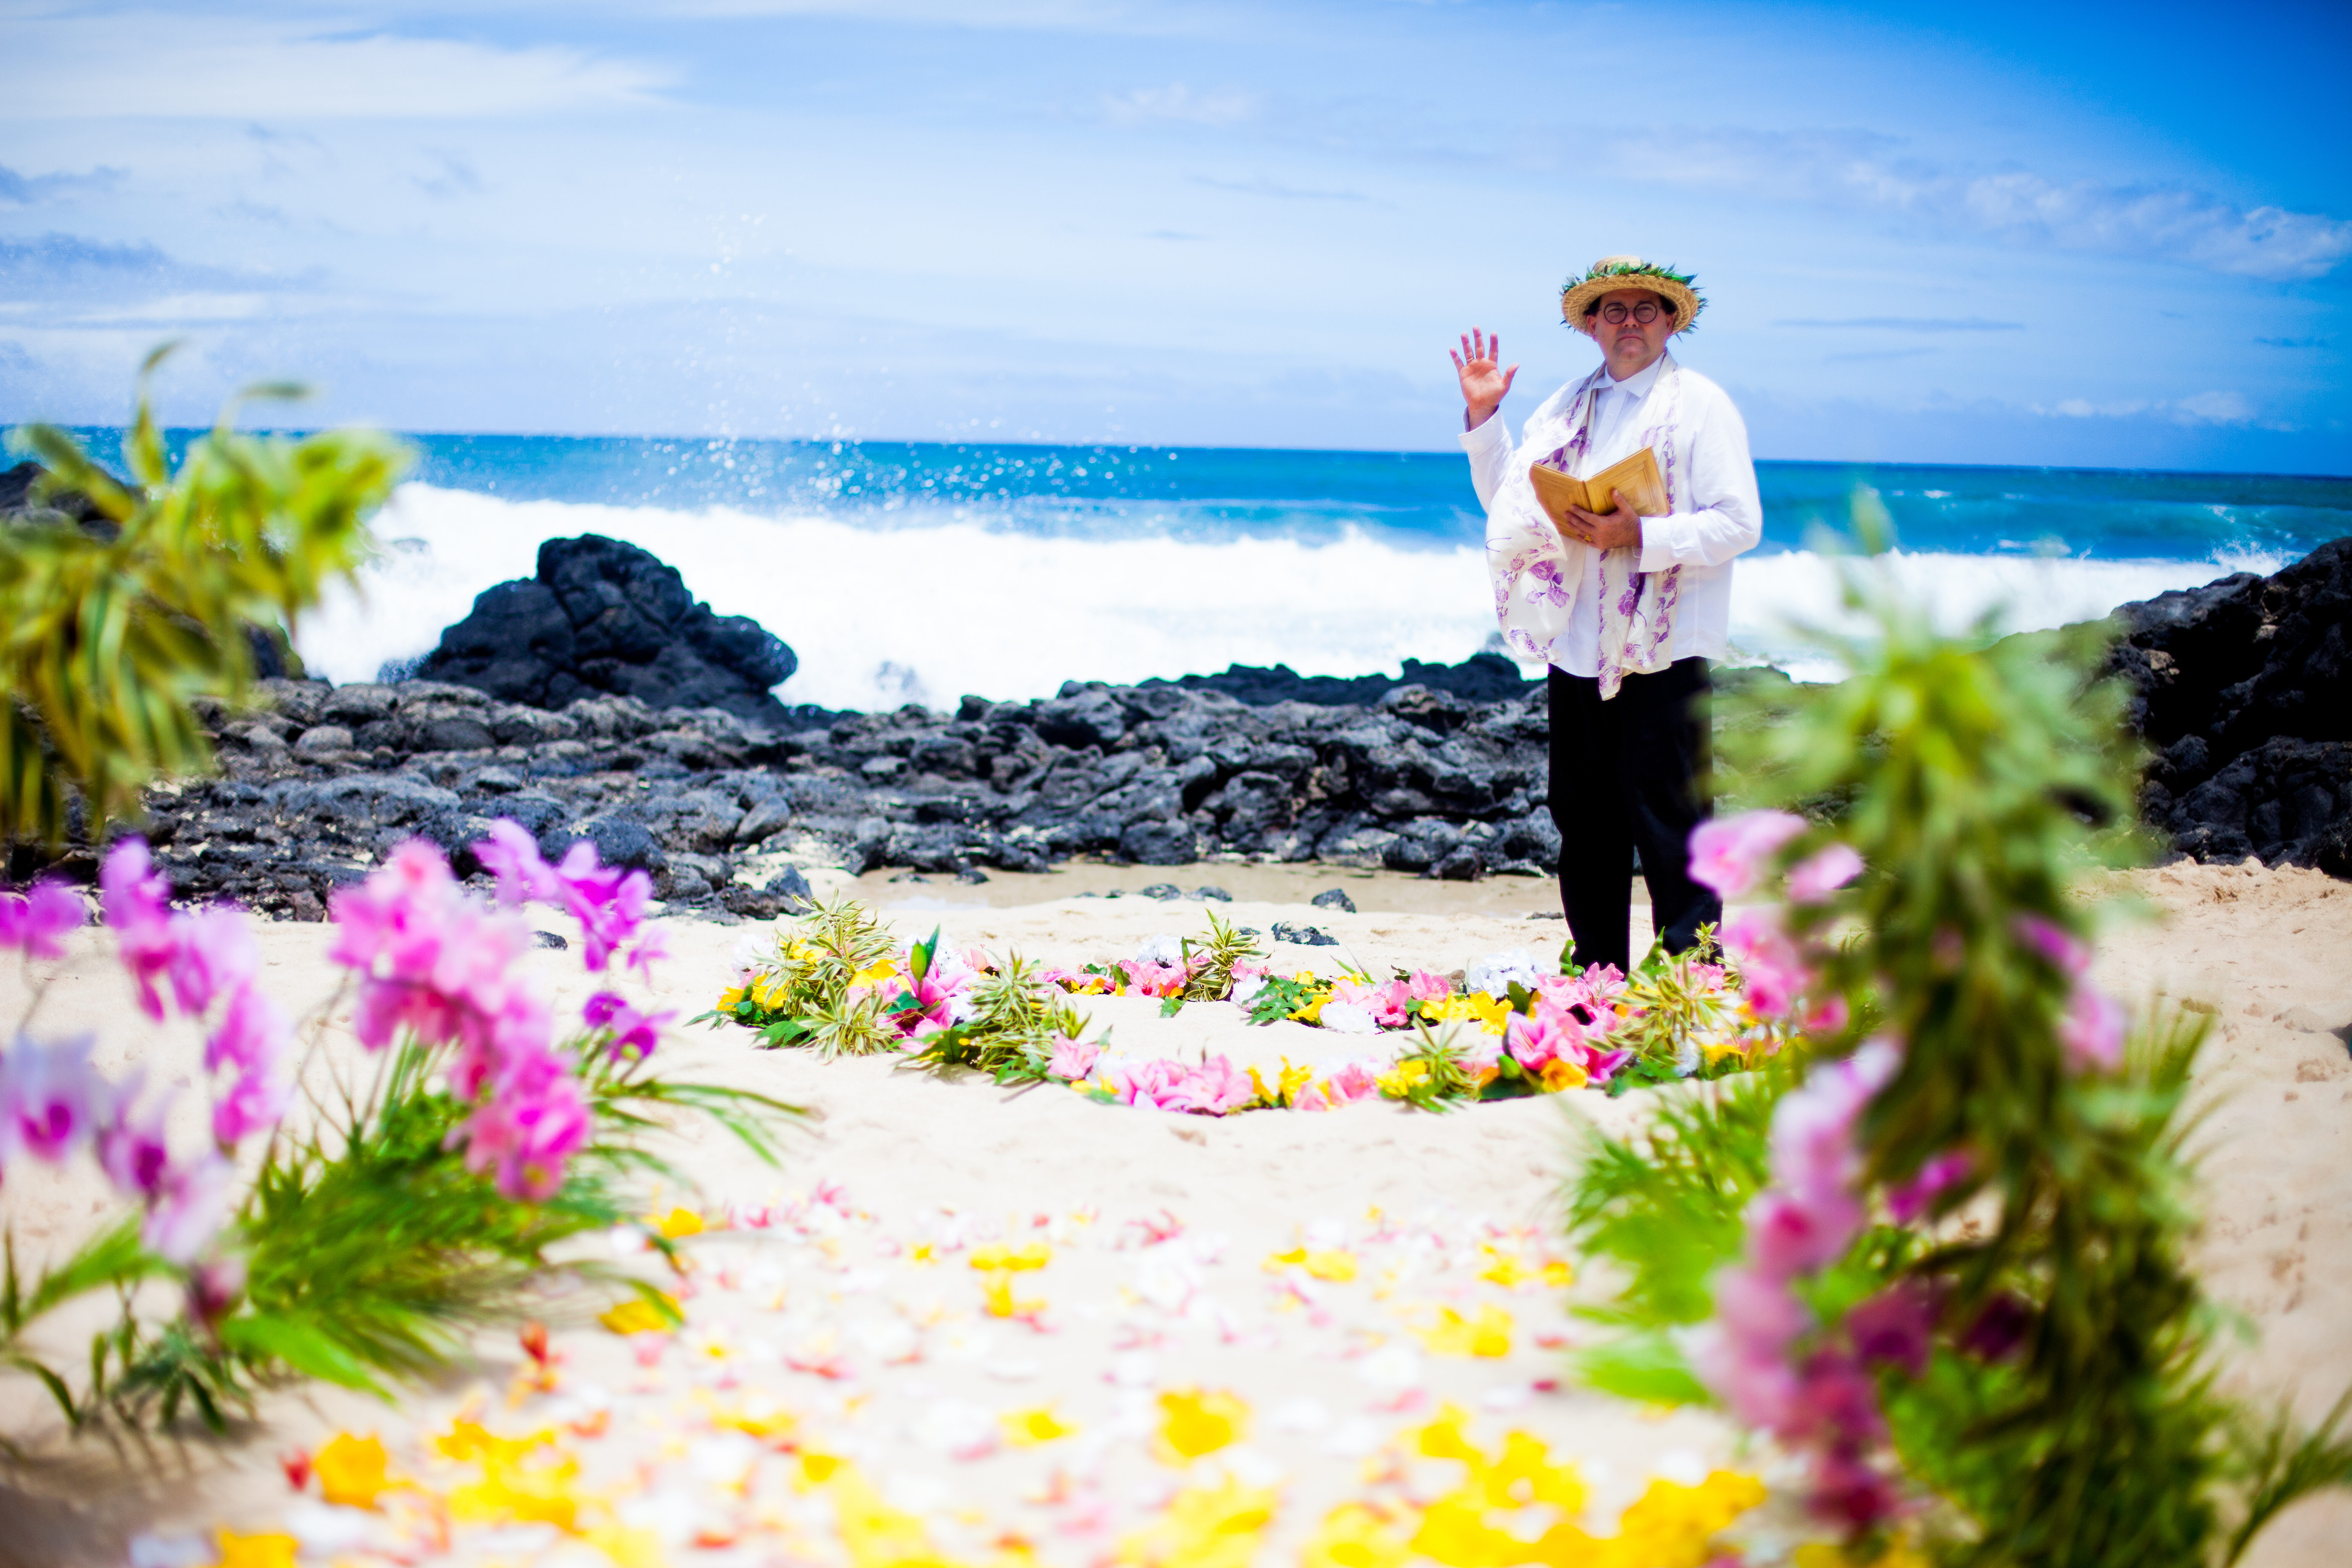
x,y
511,855
133,1147
650,948
1728,854
1819,875
33,919
1073,1058
136,900
255,1101
2093,1030
608,901
1792,1233
1895,1327
213,1288
1914,1198
632,1031
253,1033
1772,973
1828,1017
196,1203
214,953
527,1136
2067,952
51,1100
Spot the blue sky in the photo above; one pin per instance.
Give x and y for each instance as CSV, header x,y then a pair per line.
x,y
1993,234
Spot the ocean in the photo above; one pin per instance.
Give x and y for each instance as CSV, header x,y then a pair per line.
x,y
918,572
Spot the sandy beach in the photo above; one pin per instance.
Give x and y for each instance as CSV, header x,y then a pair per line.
x,y
1346,1275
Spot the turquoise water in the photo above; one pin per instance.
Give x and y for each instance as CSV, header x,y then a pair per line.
x,y
913,572
1216,493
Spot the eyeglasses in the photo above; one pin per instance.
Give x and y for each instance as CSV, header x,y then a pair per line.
x,y
1615,313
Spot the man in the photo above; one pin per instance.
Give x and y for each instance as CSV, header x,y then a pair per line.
x,y
1625,611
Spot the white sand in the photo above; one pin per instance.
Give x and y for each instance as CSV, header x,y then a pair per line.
x,y
909,1371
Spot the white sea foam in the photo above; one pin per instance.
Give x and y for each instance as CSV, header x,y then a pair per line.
x,y
913,614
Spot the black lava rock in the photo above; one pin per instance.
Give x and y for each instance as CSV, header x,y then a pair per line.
x,y
605,617
1302,936
1334,898
2243,687
1481,678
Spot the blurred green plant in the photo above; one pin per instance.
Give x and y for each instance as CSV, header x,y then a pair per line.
x,y
2068,1412
108,634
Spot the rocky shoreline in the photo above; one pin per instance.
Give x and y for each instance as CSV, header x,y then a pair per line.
x,y
313,787
721,793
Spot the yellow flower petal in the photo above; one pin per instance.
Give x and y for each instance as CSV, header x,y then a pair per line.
x,y
351,1470
1194,1422
1203,1527
638,1316
1451,1333
679,1223
1034,1255
255,1551
1028,1428
1354,1535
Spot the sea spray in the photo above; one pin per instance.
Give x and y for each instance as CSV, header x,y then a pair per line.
x,y
923,611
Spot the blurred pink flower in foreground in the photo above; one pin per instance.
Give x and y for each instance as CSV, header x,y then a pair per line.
x,y
2067,952
33,919
132,1147
2093,1030
1822,1399
435,962
51,1100
631,1030
1772,973
194,1205
1819,875
137,902
527,1130
1727,854
609,901
212,954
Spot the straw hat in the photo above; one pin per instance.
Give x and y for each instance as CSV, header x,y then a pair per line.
x,y
1614,272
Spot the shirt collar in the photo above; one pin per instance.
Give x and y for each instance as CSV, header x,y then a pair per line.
x,y
1638,384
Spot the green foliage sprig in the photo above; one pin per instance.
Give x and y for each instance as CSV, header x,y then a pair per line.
x,y
105,642
2068,1415
1016,1017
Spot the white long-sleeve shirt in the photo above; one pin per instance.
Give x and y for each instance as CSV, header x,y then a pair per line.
x,y
1722,517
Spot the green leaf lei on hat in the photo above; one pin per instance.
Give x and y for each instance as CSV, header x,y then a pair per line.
x,y
1633,271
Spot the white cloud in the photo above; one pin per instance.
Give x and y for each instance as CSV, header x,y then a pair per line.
x,y
2202,408
160,64
1227,106
1858,169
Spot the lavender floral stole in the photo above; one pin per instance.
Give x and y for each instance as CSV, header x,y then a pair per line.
x,y
1536,569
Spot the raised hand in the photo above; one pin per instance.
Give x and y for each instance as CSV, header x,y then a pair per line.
x,y
1483,382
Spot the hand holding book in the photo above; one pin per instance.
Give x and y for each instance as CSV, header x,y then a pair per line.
x,y
1602,511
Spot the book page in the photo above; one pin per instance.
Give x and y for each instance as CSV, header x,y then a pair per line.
x,y
1634,483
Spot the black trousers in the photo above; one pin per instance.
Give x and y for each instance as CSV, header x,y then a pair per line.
x,y
1624,776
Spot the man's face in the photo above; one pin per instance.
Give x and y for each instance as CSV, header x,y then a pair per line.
x,y
1630,344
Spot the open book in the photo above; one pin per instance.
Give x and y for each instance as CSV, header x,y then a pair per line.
x,y
1635,482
